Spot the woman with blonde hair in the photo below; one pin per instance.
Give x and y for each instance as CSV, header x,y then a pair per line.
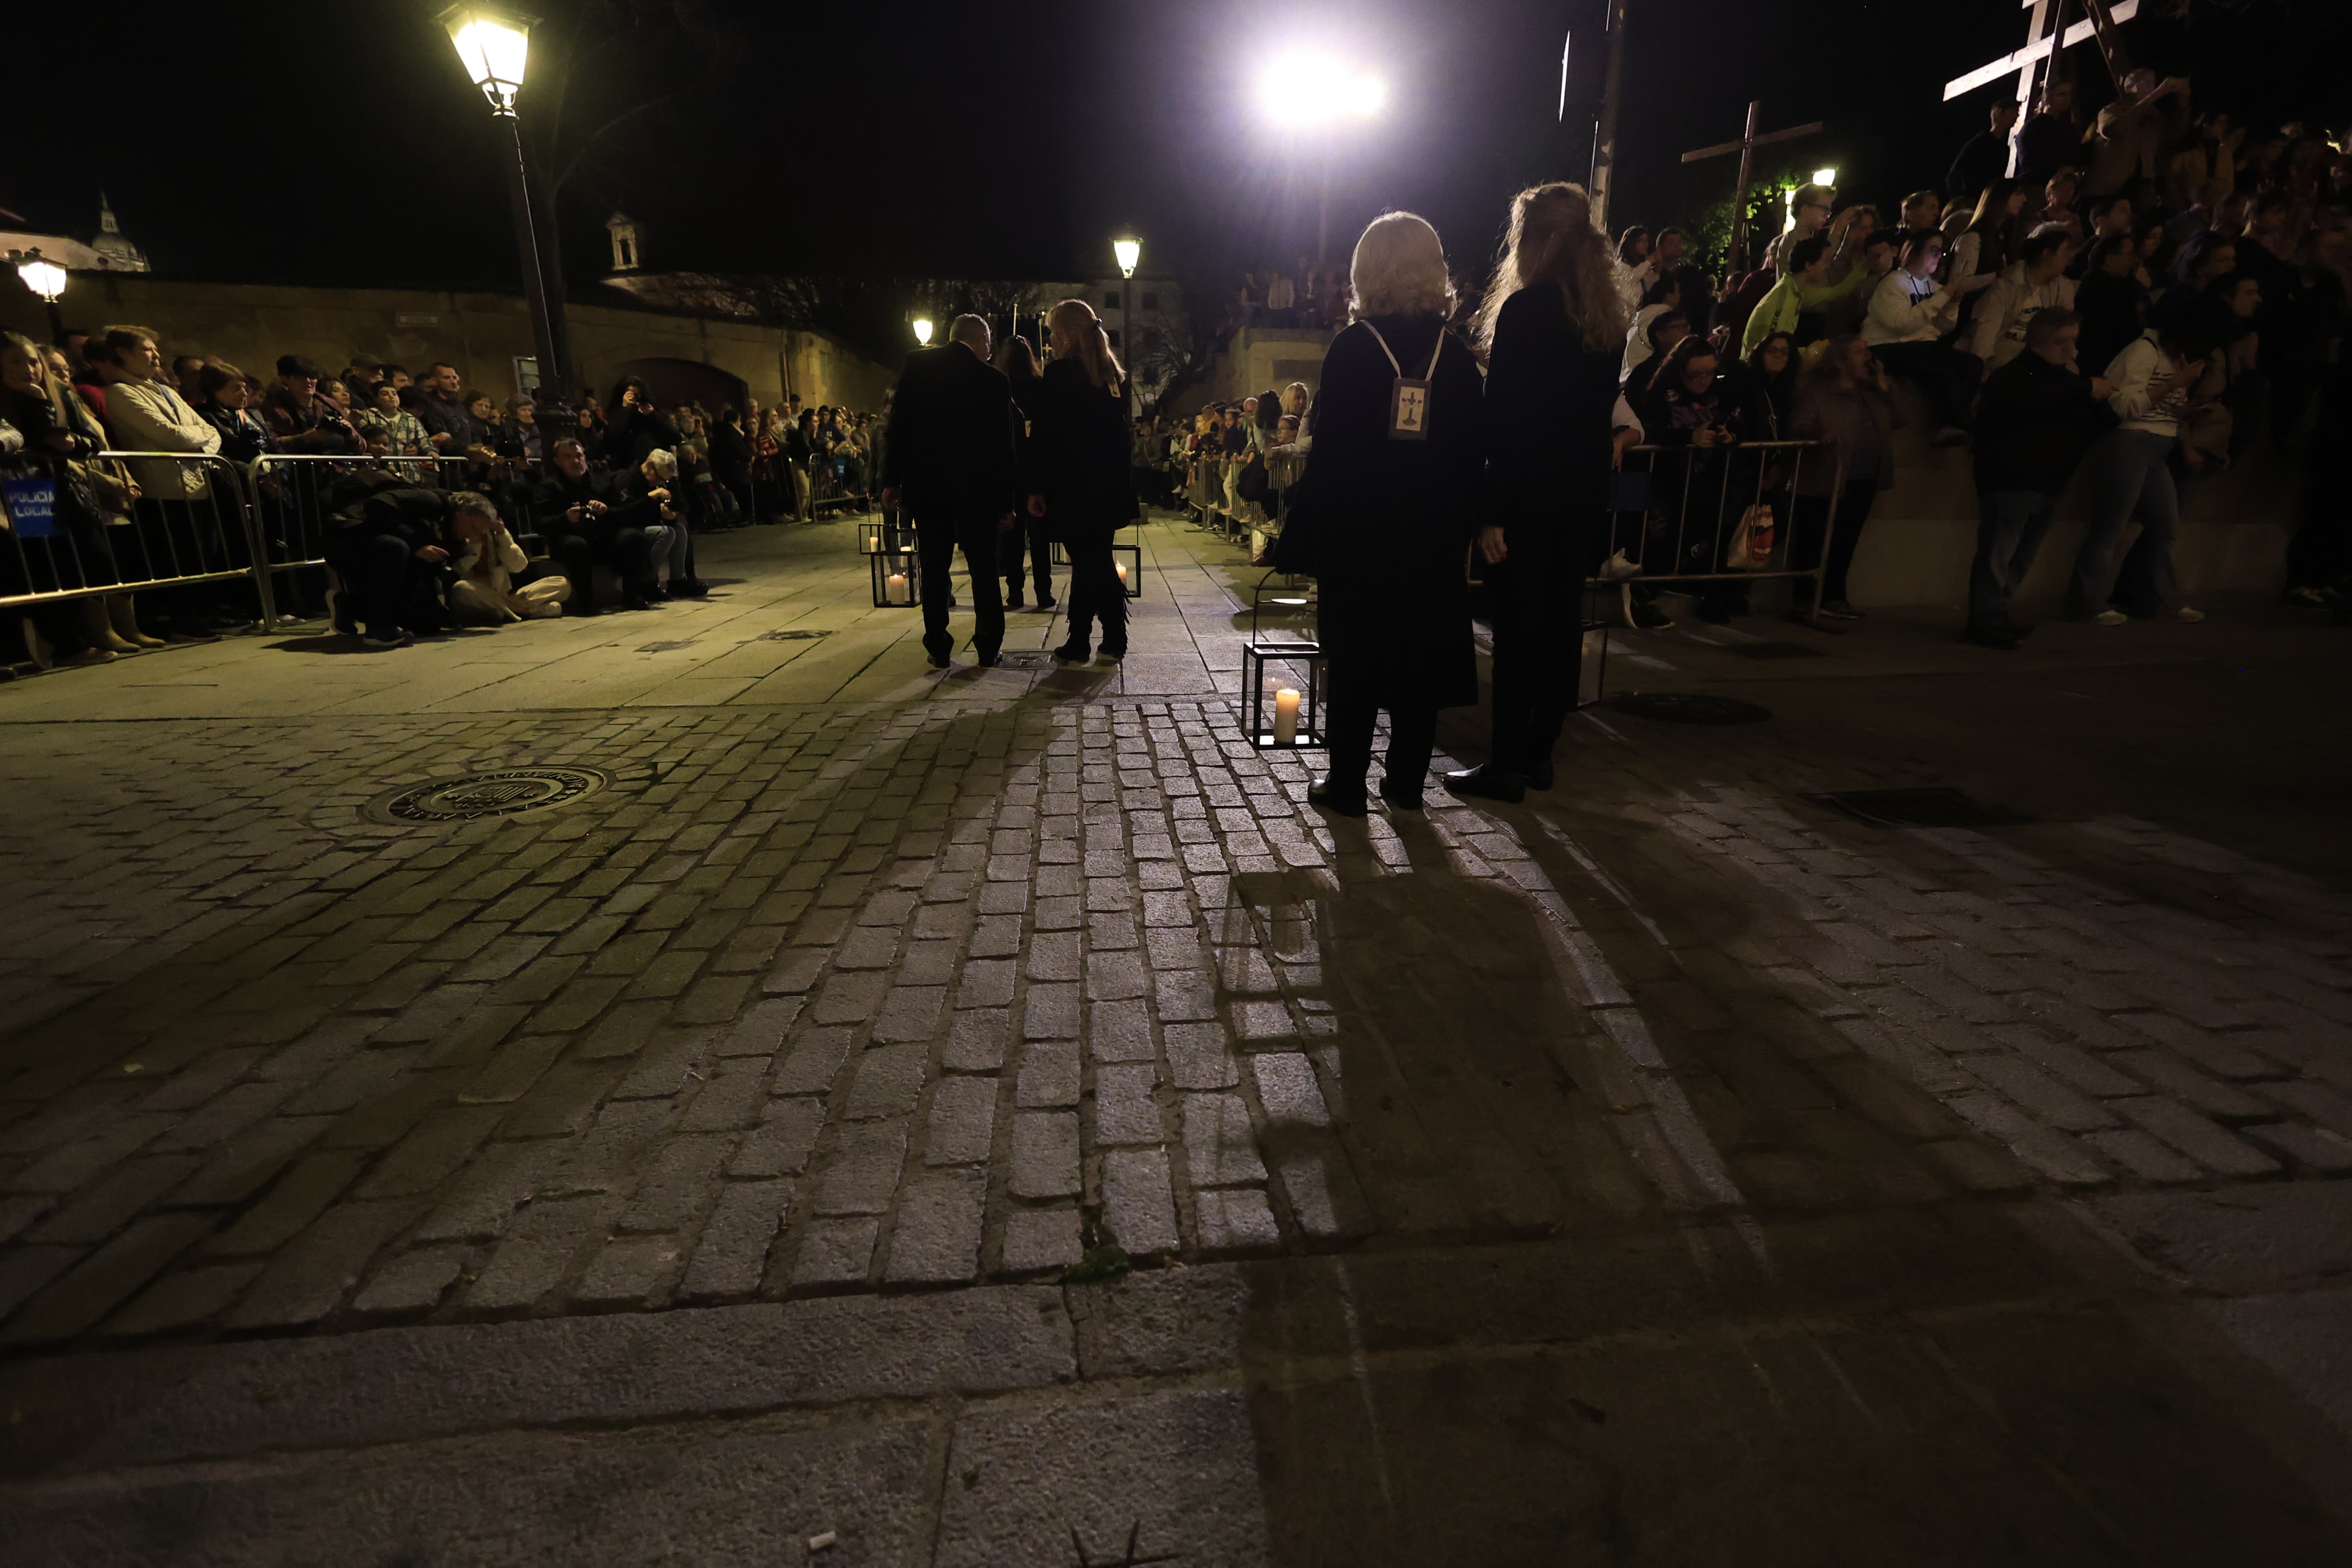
x,y
1383,513
1080,480
1553,327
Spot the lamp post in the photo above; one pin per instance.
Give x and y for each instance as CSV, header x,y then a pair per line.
x,y
923,332
48,279
1305,92
1128,253
495,46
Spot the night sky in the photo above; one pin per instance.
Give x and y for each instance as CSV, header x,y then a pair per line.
x,y
339,143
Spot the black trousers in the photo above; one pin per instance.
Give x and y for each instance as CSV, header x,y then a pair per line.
x,y
936,538
1538,605
1029,532
622,550
1096,592
387,583
1948,376
1813,515
1413,736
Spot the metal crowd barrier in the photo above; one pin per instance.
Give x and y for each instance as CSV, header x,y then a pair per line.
x,y
133,520
1675,512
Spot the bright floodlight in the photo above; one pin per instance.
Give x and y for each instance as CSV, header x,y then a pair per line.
x,y
1302,89
495,46
1825,176
1130,252
45,279
923,331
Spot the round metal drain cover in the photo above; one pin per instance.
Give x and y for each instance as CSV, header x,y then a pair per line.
x,y
1688,707
473,796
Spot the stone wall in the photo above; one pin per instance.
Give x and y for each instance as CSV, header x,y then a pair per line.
x,y
483,335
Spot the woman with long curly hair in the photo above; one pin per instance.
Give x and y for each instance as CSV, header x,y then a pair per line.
x,y
1553,328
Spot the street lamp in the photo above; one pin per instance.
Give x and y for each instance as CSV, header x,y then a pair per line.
x,y
923,331
1825,177
1299,91
495,46
48,279
1128,253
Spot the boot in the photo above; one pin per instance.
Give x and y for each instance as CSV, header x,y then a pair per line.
x,y
122,610
100,632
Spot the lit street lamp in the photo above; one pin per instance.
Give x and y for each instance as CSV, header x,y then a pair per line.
x,y
48,279
1128,253
495,44
923,331
1299,91
1825,177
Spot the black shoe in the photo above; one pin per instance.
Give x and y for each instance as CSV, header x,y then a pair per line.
x,y
1074,653
938,656
386,636
986,660
2000,636
1114,654
690,589
1400,799
1048,604
1649,617
1488,782
1838,610
1539,774
1344,803
579,605
1012,602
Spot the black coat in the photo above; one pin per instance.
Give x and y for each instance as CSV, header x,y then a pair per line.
x,y
416,516
558,493
1549,404
951,446
1391,520
1077,456
630,433
2033,425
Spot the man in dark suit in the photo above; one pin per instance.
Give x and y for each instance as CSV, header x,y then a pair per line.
x,y
951,458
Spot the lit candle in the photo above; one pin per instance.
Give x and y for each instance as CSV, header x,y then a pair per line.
x,y
895,588
1286,717
1122,573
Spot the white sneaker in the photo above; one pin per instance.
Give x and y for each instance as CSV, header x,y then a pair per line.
x,y
2109,618
2186,613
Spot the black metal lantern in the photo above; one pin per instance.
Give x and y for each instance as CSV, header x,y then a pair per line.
x,y
897,577
1127,560
885,532
1282,695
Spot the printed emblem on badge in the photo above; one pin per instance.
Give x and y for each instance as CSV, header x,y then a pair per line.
x,y
1409,411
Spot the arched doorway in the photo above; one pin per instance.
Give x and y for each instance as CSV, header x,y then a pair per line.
x,y
677,380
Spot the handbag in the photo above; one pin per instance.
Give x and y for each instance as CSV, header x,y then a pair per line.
x,y
1750,549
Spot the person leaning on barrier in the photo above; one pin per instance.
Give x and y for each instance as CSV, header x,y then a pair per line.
x,y
183,537
1555,330
575,512
389,546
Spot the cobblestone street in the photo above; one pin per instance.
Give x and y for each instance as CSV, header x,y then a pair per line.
x,y
2021,1151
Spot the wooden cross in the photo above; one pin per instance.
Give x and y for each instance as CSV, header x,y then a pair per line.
x,y
2046,33
1746,147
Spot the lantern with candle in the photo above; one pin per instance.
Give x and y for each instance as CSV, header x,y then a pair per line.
x,y
897,575
1282,692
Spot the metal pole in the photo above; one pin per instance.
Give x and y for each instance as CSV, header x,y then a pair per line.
x,y
1604,132
554,394
1323,211
1127,333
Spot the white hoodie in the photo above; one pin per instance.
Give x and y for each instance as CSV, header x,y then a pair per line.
x,y
2148,394
1906,310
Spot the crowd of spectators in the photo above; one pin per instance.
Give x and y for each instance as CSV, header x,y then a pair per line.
x,y
1304,296
2204,274
436,505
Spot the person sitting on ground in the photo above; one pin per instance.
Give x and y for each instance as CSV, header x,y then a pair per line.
x,y
388,546
575,512
1909,313
482,588
2039,416
646,498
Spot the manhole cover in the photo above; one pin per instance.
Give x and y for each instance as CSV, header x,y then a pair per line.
x,y
507,794
791,636
1689,708
1937,805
